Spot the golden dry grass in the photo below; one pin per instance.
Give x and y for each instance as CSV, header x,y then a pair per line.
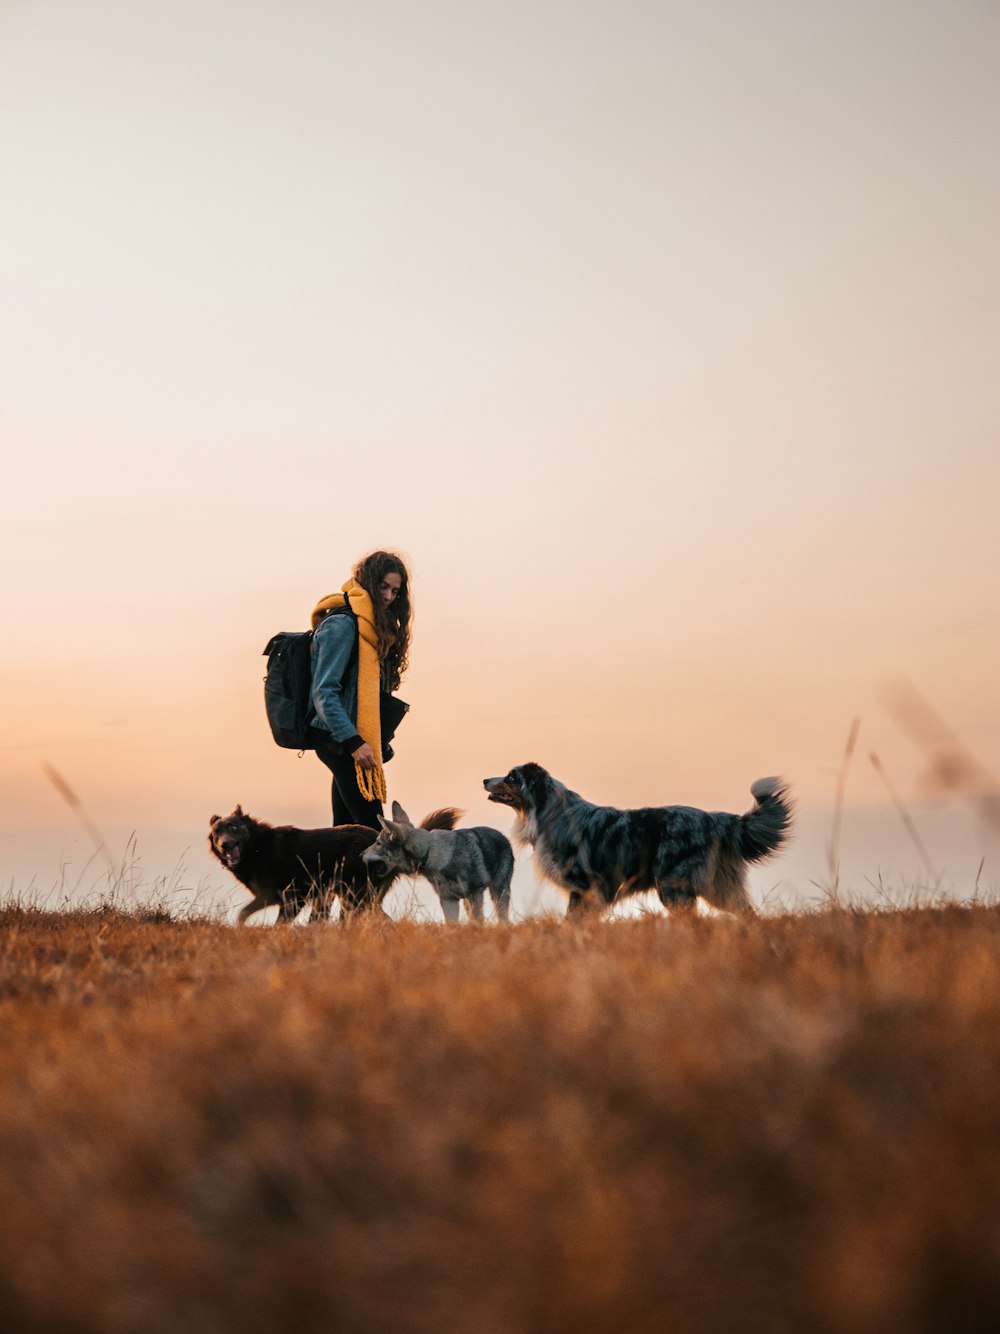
x,y
787,1124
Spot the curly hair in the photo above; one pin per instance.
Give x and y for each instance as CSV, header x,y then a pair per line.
x,y
392,621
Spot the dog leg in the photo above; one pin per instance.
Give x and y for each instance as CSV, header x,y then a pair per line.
x,y
585,903
319,906
450,909
676,895
500,889
255,905
291,906
729,894
501,905
474,905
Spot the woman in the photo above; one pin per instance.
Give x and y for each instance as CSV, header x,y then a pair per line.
x,y
360,650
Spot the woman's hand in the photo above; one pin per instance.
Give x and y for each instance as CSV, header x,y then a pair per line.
x,y
364,757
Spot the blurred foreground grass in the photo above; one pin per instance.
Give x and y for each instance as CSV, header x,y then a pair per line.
x,y
786,1124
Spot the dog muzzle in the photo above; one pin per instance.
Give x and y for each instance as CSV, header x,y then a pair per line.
x,y
498,789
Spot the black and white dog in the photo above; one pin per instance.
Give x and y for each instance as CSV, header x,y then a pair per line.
x,y
598,853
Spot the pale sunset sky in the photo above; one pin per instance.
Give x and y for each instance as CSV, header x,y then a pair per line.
x,y
662,339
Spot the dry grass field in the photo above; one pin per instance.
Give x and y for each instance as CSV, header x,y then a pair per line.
x,y
704,1125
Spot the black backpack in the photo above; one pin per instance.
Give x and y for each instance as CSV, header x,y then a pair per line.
x,y
288,686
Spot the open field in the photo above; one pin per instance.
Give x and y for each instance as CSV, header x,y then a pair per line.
x,y
786,1124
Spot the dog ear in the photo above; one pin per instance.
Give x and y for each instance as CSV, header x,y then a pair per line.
x,y
384,823
399,815
213,820
238,810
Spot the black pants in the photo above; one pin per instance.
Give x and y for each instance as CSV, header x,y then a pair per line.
x,y
349,806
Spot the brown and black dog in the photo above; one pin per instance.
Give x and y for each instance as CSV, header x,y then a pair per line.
x,y
287,867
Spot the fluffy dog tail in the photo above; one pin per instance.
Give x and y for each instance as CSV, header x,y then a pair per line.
x,y
446,818
766,828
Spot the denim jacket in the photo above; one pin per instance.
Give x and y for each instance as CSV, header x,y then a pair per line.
x,y
335,677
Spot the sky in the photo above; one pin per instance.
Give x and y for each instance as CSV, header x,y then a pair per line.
x,y
661,339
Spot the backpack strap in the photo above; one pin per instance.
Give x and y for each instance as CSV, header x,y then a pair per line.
x,y
339,611
347,610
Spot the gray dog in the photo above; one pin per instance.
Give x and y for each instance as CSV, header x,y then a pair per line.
x,y
599,853
459,863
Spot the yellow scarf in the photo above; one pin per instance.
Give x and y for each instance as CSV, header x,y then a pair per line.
x,y
371,782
